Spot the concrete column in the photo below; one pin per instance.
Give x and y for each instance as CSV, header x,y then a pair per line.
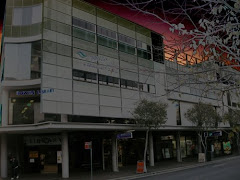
x,y
114,154
179,156
103,157
4,160
151,151
5,97
65,156
64,118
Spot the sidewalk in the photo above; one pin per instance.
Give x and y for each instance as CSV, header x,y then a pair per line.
x,y
129,172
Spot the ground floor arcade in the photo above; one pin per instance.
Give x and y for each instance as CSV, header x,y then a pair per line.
x,y
63,152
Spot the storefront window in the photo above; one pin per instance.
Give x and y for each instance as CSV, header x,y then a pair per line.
x,y
23,110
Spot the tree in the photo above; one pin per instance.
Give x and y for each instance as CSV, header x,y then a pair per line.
x,y
205,118
150,115
203,30
233,118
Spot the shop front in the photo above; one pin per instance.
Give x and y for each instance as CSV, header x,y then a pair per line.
x,y
42,153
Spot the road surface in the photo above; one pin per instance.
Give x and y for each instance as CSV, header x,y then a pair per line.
x,y
228,170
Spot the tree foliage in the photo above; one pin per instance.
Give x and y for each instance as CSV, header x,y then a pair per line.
x,y
150,114
204,116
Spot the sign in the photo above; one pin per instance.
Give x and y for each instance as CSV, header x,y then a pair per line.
x,y
166,137
227,147
125,135
201,157
34,92
33,154
31,160
140,167
213,134
88,145
59,157
42,140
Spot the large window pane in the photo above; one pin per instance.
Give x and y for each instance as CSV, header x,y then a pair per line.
x,y
126,39
126,48
83,24
107,42
85,35
106,32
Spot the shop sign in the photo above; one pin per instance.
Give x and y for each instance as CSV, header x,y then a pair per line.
x,y
227,147
166,137
88,145
213,134
34,92
201,157
42,140
125,135
59,157
33,154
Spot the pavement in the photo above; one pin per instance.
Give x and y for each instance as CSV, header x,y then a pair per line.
x,y
129,172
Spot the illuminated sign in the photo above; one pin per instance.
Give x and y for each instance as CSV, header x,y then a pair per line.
x,y
33,92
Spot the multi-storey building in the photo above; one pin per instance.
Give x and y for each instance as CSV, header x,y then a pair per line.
x,y
72,73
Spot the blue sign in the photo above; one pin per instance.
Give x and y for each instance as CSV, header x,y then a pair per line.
x,y
124,135
33,92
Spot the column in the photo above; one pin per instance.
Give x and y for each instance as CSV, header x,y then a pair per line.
x,y
4,168
103,157
64,118
151,151
179,157
5,97
65,156
114,154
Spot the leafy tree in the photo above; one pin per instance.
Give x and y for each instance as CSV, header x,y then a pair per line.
x,y
233,118
204,117
150,115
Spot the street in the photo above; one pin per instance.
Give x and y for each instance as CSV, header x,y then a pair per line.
x,y
221,171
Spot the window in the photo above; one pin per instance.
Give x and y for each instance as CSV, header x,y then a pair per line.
x,y
52,117
157,43
126,39
126,48
140,86
36,60
144,54
106,32
129,84
84,75
27,15
83,24
107,42
82,34
109,80
144,46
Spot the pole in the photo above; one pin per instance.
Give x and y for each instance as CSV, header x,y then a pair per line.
x,y
91,161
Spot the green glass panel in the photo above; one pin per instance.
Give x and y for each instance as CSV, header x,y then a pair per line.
x,y
143,31
17,3
25,31
125,23
37,2
36,29
27,2
8,20
84,6
107,42
126,48
9,11
16,31
10,3
8,31
106,15
85,35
